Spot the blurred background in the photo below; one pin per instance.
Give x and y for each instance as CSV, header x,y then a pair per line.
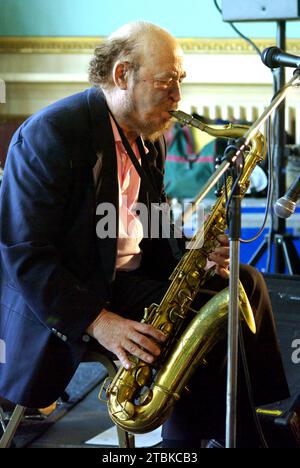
x,y
45,48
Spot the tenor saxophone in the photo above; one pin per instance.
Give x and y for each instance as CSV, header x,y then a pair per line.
x,y
140,399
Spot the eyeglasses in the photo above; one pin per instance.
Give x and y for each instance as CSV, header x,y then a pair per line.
x,y
166,83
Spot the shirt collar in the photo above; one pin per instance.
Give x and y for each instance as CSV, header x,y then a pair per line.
x,y
117,136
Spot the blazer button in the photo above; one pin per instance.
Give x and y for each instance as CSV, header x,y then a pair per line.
x,y
86,338
59,335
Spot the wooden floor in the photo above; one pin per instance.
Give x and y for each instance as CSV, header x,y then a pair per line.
x,y
87,419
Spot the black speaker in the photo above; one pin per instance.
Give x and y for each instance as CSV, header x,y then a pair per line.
x,y
284,291
281,423
281,420
260,10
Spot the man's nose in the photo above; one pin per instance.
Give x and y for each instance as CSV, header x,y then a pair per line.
x,y
176,92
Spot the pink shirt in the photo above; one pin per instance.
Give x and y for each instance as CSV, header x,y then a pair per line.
x,y
130,227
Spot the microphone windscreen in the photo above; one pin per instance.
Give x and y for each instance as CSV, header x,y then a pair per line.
x,y
267,56
284,208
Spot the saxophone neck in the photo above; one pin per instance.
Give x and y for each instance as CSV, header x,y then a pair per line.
x,y
256,142
227,131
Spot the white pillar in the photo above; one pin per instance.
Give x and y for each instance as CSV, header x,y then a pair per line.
x,y
2,92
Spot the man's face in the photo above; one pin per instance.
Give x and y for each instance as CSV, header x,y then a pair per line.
x,y
154,90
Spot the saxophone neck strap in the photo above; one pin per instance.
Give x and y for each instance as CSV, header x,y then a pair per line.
x,y
143,170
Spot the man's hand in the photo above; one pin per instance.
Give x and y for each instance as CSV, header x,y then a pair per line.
x,y
221,257
122,337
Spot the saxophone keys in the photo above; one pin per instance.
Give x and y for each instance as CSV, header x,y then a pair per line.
x,y
125,411
167,327
146,315
193,278
134,359
184,294
194,311
209,246
217,230
146,397
201,263
149,312
174,313
143,375
105,389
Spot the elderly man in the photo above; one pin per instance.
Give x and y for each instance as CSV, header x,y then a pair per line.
x,y
65,285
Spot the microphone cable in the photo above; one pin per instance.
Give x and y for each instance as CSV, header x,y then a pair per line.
x,y
251,43
271,138
256,420
247,39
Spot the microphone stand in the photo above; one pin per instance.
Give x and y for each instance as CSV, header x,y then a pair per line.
x,y
233,313
234,236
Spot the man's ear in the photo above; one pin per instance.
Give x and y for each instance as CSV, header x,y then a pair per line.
x,y
120,74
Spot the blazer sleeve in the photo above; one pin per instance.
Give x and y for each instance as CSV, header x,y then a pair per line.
x,y
32,203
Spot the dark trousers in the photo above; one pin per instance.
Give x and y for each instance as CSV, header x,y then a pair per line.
x,y
200,414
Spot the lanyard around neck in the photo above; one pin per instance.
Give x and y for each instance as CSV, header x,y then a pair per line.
x,y
149,184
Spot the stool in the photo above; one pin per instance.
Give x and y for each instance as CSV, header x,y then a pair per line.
x,y
108,360
13,424
125,439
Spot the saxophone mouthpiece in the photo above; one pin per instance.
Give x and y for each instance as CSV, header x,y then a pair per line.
x,y
187,119
181,116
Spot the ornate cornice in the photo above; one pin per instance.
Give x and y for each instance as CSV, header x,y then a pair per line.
x,y
48,45
231,46
86,45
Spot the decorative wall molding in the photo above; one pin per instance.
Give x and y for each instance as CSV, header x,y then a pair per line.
x,y
85,45
225,78
231,46
48,45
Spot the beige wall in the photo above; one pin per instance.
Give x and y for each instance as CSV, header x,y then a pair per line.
x,y
224,78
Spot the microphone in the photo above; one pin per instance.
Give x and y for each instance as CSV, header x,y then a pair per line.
x,y
273,57
285,206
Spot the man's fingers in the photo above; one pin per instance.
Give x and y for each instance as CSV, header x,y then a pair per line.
x,y
135,350
124,337
223,272
149,330
123,358
223,239
131,348
222,251
219,260
145,343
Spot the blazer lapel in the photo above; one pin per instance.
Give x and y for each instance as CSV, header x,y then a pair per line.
x,y
157,180
105,175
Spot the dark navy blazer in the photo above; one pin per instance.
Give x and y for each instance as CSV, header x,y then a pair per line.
x,y
55,272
